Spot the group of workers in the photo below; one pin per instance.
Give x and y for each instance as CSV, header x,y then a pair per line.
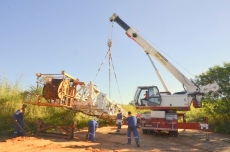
x,y
92,125
132,126
132,122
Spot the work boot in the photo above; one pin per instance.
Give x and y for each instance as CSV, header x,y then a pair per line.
x,y
138,144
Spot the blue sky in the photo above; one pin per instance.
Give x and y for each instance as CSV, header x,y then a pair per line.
x,y
71,35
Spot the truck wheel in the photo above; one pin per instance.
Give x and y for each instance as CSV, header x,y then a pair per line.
x,y
170,133
144,131
149,131
175,133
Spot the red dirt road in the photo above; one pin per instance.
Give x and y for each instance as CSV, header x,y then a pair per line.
x,y
189,141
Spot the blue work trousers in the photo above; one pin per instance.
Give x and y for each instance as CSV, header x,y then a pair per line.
x,y
91,135
135,134
17,130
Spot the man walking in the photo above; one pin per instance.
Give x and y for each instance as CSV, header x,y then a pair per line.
x,y
132,127
18,119
92,127
119,120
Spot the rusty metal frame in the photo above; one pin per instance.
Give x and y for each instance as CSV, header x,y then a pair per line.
x,y
66,131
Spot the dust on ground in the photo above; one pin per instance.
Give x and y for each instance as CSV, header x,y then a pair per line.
x,y
187,140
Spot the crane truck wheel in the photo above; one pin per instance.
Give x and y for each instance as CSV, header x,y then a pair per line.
x,y
149,131
144,131
170,133
173,133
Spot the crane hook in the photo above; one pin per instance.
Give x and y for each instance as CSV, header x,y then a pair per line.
x,y
109,43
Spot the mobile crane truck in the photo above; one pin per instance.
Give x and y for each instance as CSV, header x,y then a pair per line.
x,y
164,105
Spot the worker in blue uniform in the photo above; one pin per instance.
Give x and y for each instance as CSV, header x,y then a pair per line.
x,y
92,127
119,120
19,124
132,127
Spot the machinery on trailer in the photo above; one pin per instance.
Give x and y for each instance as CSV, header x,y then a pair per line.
x,y
164,105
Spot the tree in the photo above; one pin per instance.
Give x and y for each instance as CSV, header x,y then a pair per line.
x,y
217,105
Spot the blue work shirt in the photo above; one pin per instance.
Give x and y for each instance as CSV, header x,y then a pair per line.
x,y
92,125
132,121
18,115
119,116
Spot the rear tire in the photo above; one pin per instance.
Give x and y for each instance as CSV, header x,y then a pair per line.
x,y
144,131
175,133
170,133
150,131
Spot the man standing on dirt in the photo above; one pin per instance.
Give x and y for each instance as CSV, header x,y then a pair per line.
x,y
92,127
18,119
132,127
119,120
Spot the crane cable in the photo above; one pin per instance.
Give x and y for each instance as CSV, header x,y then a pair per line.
x,y
101,65
116,78
106,53
110,60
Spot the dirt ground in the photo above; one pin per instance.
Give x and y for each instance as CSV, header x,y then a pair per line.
x,y
187,141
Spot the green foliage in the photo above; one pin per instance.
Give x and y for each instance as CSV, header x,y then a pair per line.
x,y
9,98
195,115
82,120
133,110
217,105
12,98
130,108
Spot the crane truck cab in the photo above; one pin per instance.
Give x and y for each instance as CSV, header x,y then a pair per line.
x,y
147,96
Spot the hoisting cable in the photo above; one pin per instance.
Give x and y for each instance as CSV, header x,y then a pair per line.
x,y
106,53
110,34
100,66
109,67
115,77
109,43
110,59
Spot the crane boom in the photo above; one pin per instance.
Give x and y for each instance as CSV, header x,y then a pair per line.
x,y
158,74
190,86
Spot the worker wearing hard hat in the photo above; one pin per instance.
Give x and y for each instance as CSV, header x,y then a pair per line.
x,y
132,127
92,127
18,119
119,120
